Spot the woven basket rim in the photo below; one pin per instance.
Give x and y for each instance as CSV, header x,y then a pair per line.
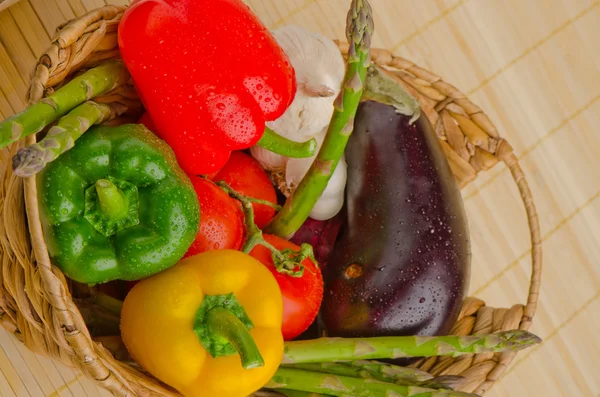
x,y
75,46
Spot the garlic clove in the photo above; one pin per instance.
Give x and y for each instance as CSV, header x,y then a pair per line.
x,y
326,209
315,57
267,159
332,199
337,183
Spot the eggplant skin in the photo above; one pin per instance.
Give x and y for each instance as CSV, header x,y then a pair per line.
x,y
402,263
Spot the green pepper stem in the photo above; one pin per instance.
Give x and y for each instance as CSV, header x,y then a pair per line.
x,y
224,324
113,202
278,144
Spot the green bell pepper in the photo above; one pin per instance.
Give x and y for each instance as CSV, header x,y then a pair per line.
x,y
117,206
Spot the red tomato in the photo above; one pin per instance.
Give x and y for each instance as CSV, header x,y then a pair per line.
x,y
221,222
302,296
246,176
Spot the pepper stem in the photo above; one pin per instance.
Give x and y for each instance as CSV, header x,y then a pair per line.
x,y
112,205
223,324
278,144
113,202
223,328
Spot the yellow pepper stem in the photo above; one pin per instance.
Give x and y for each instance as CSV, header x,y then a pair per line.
x,y
223,324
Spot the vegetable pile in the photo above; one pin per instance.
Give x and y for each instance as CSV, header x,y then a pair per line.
x,y
279,217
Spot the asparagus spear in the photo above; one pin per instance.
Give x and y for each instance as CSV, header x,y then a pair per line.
x,y
393,371
299,393
348,349
61,137
377,372
406,375
279,393
286,147
296,379
32,120
359,29
335,369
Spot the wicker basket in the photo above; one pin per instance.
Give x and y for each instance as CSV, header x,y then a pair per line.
x,y
35,301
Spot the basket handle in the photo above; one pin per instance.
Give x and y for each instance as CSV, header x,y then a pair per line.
x,y
518,175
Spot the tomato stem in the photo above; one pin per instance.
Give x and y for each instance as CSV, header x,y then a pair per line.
x,y
286,261
276,207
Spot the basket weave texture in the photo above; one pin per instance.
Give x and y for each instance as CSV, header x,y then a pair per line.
x,y
35,301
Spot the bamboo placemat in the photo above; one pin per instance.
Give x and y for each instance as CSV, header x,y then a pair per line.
x,y
534,66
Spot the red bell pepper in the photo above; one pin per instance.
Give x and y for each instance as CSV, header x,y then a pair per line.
x,y
148,123
209,73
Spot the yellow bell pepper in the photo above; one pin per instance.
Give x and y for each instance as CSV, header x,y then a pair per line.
x,y
209,326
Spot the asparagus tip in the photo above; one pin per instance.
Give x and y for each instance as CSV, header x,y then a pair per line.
x,y
360,24
522,338
449,382
28,161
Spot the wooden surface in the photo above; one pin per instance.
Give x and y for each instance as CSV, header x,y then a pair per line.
x,y
4,4
534,67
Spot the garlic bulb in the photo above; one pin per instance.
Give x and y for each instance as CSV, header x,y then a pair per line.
x,y
320,69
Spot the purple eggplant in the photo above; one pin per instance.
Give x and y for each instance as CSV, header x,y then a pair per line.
x,y
401,265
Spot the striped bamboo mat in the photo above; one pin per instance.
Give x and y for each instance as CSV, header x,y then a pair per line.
x,y
534,66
